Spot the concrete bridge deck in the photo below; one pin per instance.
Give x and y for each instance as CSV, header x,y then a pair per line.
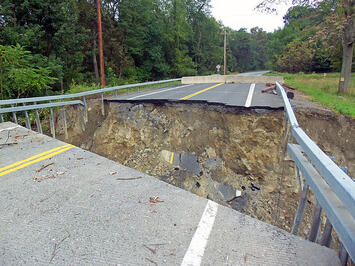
x,y
63,205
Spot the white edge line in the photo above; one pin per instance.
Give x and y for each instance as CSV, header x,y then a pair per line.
x,y
194,253
250,95
9,128
158,92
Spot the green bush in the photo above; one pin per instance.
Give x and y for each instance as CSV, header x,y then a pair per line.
x,y
19,77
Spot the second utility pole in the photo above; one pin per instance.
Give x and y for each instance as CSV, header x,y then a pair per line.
x,y
225,52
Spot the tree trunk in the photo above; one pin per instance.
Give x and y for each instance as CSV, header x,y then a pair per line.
x,y
348,48
61,86
346,67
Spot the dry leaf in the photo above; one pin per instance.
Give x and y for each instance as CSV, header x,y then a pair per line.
x,y
154,200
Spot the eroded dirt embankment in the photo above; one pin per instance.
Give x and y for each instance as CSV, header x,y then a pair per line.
x,y
234,156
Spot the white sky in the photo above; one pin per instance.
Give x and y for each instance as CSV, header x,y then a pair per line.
x,y
238,14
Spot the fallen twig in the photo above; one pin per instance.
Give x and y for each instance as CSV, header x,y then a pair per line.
x,y
162,244
40,179
229,201
128,178
56,246
154,200
44,166
246,256
150,249
8,144
19,136
152,261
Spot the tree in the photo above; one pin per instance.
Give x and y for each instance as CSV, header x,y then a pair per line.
x,y
207,48
345,11
47,28
18,76
259,39
240,43
178,34
296,57
348,37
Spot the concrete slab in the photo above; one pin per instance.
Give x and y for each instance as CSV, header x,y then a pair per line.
x,y
79,208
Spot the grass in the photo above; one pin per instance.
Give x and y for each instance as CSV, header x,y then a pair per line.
x,y
323,88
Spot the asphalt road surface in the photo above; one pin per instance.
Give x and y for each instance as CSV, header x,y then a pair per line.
x,y
248,95
256,73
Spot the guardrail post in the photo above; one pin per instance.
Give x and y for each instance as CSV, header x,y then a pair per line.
x,y
127,91
27,119
343,255
326,239
102,104
38,121
116,93
85,110
300,210
65,123
2,118
299,177
51,121
14,115
313,234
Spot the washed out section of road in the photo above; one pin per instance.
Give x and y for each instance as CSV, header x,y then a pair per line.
x,y
230,94
81,208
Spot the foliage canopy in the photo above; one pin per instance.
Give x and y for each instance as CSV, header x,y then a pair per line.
x,y
55,42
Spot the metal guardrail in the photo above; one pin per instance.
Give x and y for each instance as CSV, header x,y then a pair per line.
x,y
333,189
85,93
37,106
34,106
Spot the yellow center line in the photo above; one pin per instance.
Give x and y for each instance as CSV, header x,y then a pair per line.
x,y
172,158
201,91
39,159
33,157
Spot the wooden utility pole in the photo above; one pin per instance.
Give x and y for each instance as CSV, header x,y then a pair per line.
x,y
102,73
225,52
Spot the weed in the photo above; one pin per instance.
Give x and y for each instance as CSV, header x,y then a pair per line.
x,y
323,88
